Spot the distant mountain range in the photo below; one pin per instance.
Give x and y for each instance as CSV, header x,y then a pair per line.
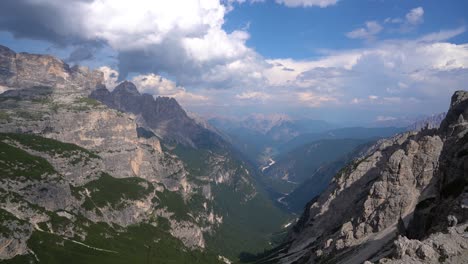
x,y
258,136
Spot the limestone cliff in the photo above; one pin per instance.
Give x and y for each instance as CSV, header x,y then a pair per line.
x,y
412,186
176,185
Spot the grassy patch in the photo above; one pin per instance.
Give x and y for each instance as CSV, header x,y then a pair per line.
x,y
16,164
138,244
247,226
6,217
51,147
174,203
88,101
34,116
108,190
4,116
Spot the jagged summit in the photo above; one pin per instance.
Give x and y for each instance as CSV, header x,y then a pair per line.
x,y
163,115
126,87
25,70
458,111
107,182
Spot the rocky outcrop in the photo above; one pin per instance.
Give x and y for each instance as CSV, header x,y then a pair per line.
x,y
24,70
176,171
163,115
404,188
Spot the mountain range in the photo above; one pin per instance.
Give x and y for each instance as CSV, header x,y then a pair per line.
x,y
86,171
96,174
405,200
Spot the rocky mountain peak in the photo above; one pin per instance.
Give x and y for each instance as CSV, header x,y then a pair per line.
x,y
25,70
458,111
163,115
126,87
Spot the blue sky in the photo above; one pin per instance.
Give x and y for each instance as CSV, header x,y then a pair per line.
x,y
359,62
279,31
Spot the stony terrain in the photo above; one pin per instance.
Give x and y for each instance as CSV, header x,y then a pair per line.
x,y
79,165
404,201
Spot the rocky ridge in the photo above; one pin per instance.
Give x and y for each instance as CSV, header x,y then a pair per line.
x,y
46,103
404,201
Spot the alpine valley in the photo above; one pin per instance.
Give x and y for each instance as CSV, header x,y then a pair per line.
x,y
96,174
93,176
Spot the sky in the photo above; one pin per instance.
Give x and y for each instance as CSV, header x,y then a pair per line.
x,y
343,61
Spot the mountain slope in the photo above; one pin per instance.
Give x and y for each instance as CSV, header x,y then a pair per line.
x,y
258,137
318,181
299,164
188,171
341,133
405,201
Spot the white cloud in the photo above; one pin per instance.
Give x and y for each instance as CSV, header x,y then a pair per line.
x,y
385,118
249,95
392,72
183,38
155,85
371,29
415,16
311,99
185,41
411,20
307,3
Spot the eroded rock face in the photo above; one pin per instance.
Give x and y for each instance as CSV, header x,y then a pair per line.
x,y
53,102
162,115
407,185
24,70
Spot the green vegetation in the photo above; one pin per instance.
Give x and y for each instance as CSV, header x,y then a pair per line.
x,y
196,160
6,217
88,101
248,226
4,116
51,147
142,243
108,190
174,203
35,116
19,164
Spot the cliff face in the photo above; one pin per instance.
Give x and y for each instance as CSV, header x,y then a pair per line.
x,y
412,186
163,115
24,70
111,168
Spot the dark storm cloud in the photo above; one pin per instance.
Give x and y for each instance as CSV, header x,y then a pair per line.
x,y
41,21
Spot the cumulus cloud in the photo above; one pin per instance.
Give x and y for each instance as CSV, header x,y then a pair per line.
x,y
311,99
185,42
371,29
415,16
392,72
182,38
155,85
411,20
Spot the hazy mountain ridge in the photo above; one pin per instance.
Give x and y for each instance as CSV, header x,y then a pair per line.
x,y
404,201
258,136
432,121
187,175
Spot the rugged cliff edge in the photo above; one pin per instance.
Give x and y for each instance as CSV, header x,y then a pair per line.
x,y
404,201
